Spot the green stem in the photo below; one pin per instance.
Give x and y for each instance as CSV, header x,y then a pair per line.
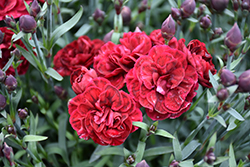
x,y
178,31
148,11
243,22
39,52
229,60
31,154
213,21
49,27
61,22
22,133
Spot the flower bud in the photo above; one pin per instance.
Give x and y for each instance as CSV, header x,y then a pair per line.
x,y
27,24
1,36
2,102
130,159
247,103
2,76
201,9
244,82
235,4
16,53
126,15
205,22
210,157
60,92
10,83
22,113
217,32
34,99
233,38
187,8
137,29
10,22
152,128
227,77
98,16
176,13
174,163
143,163
168,28
11,130
108,36
245,5
8,153
222,94
143,6
118,6
219,5
34,8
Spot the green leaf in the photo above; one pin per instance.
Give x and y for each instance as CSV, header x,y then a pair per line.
x,y
158,151
18,36
28,56
187,163
213,99
235,114
161,132
56,150
126,152
65,1
173,3
54,74
94,156
232,89
190,148
63,120
212,141
8,64
140,151
177,149
220,120
232,162
213,81
231,126
229,13
141,125
220,160
220,61
29,138
192,20
62,29
111,151
115,37
83,30
235,63
16,99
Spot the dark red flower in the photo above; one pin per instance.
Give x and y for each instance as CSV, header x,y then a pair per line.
x,y
15,8
23,67
78,53
156,37
103,113
80,77
163,82
201,60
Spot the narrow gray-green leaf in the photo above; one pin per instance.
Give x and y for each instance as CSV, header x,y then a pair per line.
x,y
141,125
235,114
161,132
111,151
187,163
213,81
94,156
18,36
62,29
83,30
158,151
27,56
232,161
220,120
192,20
28,138
190,148
8,64
231,126
212,141
177,149
235,63
173,3
220,160
54,74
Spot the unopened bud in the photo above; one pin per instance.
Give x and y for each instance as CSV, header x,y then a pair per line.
x,y
247,103
210,157
16,53
118,6
227,77
205,22
187,8
174,163
108,36
143,6
22,113
244,82
126,15
2,102
245,5
10,22
233,38
143,163
98,16
222,94
235,4
8,153
1,36
27,24
11,129
217,32
201,9
219,5
168,28
34,8
34,99
2,76
176,13
130,159
10,83
60,92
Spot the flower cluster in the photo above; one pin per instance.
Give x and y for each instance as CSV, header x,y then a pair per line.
x,y
161,78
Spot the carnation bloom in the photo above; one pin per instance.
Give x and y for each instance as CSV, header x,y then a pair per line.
x,y
156,37
103,113
80,52
4,46
163,82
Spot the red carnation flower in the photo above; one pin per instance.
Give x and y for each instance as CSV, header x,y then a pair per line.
x,y
15,8
103,113
80,78
23,67
156,37
78,53
163,82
